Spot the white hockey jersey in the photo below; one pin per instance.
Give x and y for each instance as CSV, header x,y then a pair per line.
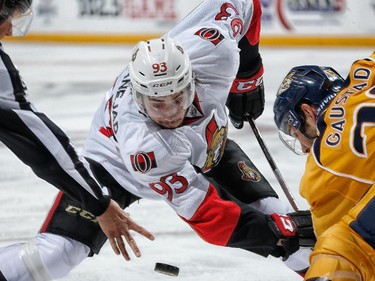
x,y
157,163
140,150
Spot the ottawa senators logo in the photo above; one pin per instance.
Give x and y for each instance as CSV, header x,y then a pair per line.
x,y
216,139
143,162
248,174
210,34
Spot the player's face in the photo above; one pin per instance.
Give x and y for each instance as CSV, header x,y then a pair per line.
x,y
301,131
5,28
303,140
306,139
15,21
168,111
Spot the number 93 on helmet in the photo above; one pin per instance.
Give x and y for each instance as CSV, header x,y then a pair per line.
x,y
162,81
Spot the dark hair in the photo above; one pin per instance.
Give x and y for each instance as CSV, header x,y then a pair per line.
x,y
7,7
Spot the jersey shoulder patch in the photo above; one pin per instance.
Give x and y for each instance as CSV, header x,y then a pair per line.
x,y
210,34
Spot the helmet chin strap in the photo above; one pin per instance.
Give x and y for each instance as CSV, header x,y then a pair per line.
x,y
302,128
303,131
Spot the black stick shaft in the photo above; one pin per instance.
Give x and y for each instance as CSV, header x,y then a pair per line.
x,y
272,163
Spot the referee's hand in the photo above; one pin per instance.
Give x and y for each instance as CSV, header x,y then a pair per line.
x,y
116,224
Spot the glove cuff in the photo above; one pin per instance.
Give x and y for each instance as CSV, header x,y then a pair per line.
x,y
283,226
247,82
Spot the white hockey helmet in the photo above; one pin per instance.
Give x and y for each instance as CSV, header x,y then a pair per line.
x,y
161,68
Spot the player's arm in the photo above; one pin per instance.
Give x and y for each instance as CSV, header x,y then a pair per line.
x,y
246,97
277,235
39,143
223,222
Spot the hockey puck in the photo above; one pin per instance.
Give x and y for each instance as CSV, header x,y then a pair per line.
x,y
166,269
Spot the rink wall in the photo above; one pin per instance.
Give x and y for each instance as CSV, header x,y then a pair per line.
x,y
284,22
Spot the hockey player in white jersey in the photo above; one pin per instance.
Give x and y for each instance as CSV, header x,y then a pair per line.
x,y
161,133
43,146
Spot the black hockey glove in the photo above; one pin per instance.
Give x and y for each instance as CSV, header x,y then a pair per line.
x,y
246,97
294,230
305,229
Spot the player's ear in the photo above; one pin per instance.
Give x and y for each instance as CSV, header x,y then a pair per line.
x,y
309,111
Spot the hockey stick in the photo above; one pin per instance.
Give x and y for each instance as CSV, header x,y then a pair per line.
x,y
272,163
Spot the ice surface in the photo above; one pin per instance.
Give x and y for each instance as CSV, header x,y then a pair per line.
x,y
67,83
